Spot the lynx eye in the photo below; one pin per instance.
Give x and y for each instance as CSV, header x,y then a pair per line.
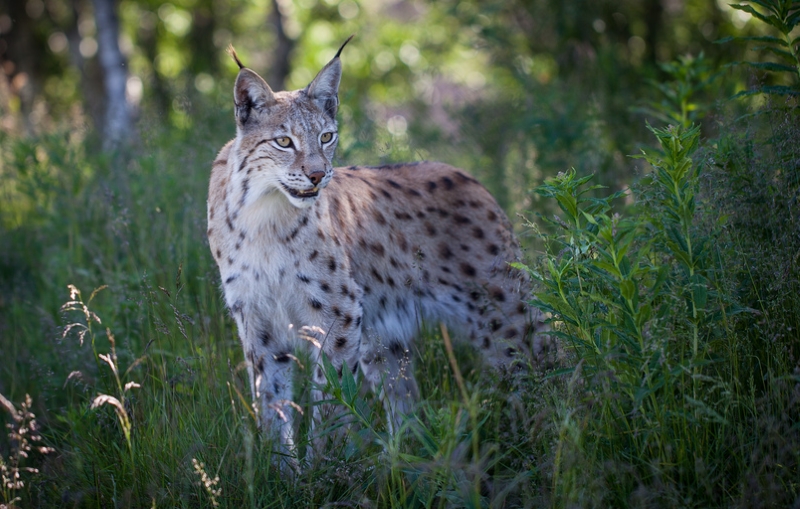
x,y
284,141
326,137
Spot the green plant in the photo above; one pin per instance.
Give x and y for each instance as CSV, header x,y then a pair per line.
x,y
441,455
753,182
681,104
783,16
635,299
639,420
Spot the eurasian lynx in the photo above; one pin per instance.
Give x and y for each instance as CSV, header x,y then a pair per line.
x,y
350,261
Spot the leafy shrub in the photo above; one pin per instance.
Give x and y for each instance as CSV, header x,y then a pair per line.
x,y
783,16
680,95
637,301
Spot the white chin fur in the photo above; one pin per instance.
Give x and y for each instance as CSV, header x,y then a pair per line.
x,y
302,203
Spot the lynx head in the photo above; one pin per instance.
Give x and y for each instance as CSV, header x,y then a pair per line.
x,y
285,140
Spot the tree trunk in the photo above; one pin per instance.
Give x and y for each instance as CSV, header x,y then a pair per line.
x,y
204,55
162,102
279,70
117,130
91,77
653,18
18,46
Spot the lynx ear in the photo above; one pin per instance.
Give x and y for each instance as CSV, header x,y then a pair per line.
x,y
250,91
324,89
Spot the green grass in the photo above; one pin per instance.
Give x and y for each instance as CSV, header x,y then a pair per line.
x,y
135,227
676,391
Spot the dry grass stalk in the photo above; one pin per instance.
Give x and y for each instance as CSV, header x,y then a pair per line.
x,y
24,436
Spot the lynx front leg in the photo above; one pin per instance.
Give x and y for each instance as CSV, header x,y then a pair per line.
x,y
390,368
270,364
271,385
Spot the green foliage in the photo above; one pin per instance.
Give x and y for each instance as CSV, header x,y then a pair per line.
x,y
611,279
689,77
754,185
444,454
638,301
511,91
143,235
783,16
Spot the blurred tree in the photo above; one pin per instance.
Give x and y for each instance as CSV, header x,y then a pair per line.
x,y
509,89
18,44
47,52
145,28
91,86
117,129
566,73
201,38
279,70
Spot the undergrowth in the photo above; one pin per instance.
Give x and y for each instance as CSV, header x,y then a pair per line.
x,y
669,410
112,314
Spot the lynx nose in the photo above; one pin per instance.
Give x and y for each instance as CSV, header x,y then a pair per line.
x,y
316,177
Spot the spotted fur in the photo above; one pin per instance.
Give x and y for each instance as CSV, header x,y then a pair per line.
x,y
352,261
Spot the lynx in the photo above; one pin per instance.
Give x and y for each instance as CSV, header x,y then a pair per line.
x,y
352,261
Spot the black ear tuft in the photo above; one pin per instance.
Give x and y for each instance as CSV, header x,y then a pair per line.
x,y
235,57
324,88
340,47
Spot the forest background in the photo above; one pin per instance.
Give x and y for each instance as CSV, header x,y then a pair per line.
x,y
674,291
